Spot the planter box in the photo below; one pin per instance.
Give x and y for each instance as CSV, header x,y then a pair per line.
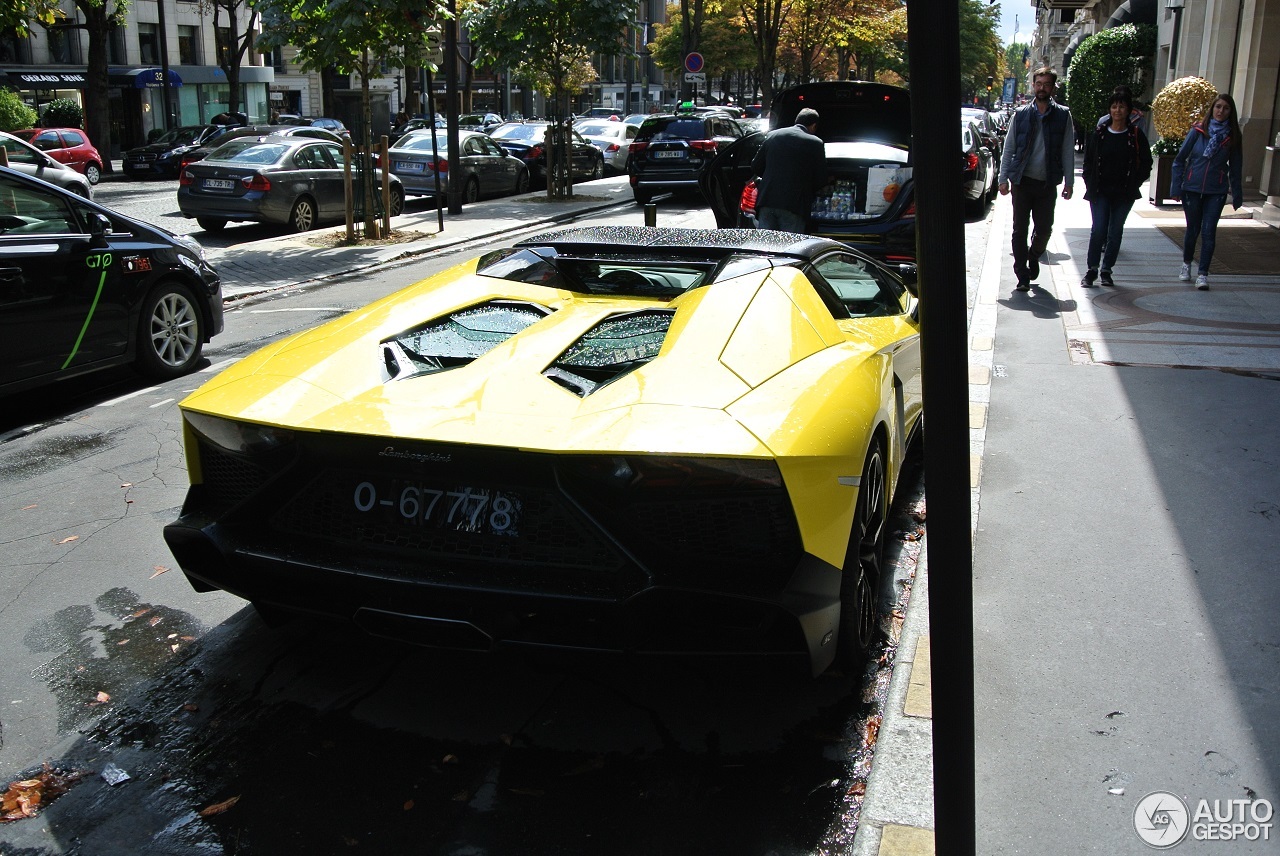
x,y
1159,186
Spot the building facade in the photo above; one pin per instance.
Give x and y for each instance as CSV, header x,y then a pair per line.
x,y
1233,44
51,62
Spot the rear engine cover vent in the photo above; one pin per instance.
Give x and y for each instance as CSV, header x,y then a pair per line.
x,y
613,348
456,339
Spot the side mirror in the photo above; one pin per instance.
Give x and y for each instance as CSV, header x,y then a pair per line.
x,y
909,279
99,228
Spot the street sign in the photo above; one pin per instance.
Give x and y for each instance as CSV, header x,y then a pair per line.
x,y
693,62
690,77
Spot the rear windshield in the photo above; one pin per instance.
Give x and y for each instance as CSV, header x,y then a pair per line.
x,y
671,128
249,151
611,275
521,132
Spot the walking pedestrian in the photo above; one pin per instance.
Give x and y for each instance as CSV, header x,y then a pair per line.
x,y
1117,160
1039,153
792,166
1206,168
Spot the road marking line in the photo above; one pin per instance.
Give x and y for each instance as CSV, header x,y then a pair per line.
x,y
129,396
163,403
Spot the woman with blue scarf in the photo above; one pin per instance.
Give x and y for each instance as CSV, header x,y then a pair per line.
x,y
1206,169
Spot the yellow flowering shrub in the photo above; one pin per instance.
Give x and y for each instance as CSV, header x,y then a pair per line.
x,y
1181,104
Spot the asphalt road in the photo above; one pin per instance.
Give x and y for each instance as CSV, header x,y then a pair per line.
x,y
329,740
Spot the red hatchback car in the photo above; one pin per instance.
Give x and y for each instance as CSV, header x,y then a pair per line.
x,y
70,146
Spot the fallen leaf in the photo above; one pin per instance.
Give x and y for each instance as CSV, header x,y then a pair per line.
x,y
173,649
172,636
858,789
103,697
160,569
155,620
69,539
123,642
191,708
870,730
187,638
128,502
449,759
408,804
127,484
506,738
461,796
219,808
31,506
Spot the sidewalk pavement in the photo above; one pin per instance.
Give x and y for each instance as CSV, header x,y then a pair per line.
x,y
1126,515
1126,509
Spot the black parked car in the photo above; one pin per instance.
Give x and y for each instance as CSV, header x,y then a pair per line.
x,y
163,158
671,149
525,141
866,130
87,288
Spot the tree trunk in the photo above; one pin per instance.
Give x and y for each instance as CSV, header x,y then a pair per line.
x,y
97,112
366,148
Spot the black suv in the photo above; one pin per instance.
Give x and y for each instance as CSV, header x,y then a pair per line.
x,y
671,149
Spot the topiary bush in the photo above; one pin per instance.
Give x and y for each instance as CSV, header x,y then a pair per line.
x,y
1180,105
14,115
63,113
1114,56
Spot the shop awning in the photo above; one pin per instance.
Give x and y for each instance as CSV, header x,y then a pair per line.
x,y
144,78
31,79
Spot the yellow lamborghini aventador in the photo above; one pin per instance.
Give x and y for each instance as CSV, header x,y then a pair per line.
x,y
615,438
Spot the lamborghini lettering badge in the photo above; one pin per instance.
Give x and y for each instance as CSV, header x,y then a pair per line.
x,y
464,509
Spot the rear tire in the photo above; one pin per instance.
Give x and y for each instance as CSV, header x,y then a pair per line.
x,y
212,224
597,171
397,202
522,182
170,332
471,192
303,216
863,565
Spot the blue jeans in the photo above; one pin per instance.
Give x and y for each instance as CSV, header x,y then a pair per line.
x,y
1109,214
782,220
1202,212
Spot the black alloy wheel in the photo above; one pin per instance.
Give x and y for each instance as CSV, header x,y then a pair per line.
x,y
863,565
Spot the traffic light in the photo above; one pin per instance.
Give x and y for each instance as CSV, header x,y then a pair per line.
x,y
990,81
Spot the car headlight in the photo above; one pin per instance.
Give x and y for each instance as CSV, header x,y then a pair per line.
x,y
242,437
191,244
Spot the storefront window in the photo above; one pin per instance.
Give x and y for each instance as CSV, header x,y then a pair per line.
x,y
214,99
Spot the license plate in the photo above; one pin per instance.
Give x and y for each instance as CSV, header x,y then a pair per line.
x,y
671,154
461,508
218,184
403,166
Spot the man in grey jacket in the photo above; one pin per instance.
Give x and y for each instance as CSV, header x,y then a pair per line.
x,y
792,164
1039,153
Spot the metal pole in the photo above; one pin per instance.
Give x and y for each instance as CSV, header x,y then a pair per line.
x,y
164,66
454,193
933,35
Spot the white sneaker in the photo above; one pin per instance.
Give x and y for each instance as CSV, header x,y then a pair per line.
x,y
1184,275
1202,282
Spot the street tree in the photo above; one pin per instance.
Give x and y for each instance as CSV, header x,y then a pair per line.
x,y
870,40
233,41
763,20
548,41
979,46
725,45
354,36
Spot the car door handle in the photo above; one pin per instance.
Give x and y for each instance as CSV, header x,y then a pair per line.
x,y
10,274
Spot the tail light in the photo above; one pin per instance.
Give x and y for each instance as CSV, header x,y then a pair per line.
x,y
440,165
184,177
536,151
256,182
747,203
636,148
613,147
970,161
706,146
